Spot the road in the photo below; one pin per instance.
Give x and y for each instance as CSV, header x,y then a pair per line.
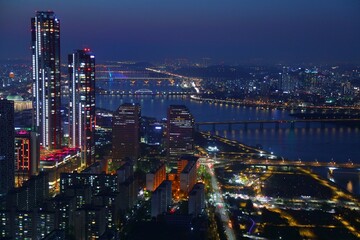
x,y
219,202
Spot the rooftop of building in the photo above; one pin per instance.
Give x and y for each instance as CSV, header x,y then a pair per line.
x,y
157,168
189,166
189,157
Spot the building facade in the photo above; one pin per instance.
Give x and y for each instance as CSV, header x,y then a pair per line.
x,y
126,132
161,199
45,38
27,155
196,203
7,148
82,103
155,177
180,132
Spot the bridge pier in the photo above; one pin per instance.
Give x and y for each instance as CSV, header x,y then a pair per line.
x,y
245,126
230,127
277,125
322,125
214,127
261,126
292,125
307,125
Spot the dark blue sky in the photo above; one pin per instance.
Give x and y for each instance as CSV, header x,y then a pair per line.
x,y
225,30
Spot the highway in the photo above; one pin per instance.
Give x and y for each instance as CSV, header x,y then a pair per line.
x,y
221,208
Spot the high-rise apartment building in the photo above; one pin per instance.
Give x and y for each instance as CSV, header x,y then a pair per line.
x,y
180,131
7,148
126,132
161,198
45,38
155,177
82,103
196,203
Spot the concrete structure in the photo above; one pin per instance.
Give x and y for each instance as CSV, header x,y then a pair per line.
x,y
155,177
34,224
97,182
7,139
90,222
188,177
196,203
127,186
161,199
33,192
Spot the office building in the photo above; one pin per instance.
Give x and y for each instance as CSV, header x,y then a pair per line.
x,y
45,38
152,131
27,155
7,148
82,103
126,132
180,132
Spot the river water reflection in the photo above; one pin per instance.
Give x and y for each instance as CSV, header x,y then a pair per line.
x,y
338,143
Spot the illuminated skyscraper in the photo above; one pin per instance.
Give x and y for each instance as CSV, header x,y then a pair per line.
x,y
82,103
126,132
45,37
180,131
7,141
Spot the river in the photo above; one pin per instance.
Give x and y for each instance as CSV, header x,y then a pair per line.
x,y
334,142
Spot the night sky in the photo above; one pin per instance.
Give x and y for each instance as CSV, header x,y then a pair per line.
x,y
232,31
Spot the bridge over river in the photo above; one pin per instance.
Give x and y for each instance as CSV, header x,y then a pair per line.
x,y
292,123
268,162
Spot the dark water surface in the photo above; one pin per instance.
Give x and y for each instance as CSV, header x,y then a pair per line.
x,y
333,142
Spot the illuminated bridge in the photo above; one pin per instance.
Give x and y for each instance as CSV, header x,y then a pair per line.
x,y
276,123
267,105
268,162
131,75
142,92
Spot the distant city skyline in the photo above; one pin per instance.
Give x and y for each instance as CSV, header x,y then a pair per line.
x,y
228,31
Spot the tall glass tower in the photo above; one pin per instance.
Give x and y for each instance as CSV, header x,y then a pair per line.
x,y
82,103
45,38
